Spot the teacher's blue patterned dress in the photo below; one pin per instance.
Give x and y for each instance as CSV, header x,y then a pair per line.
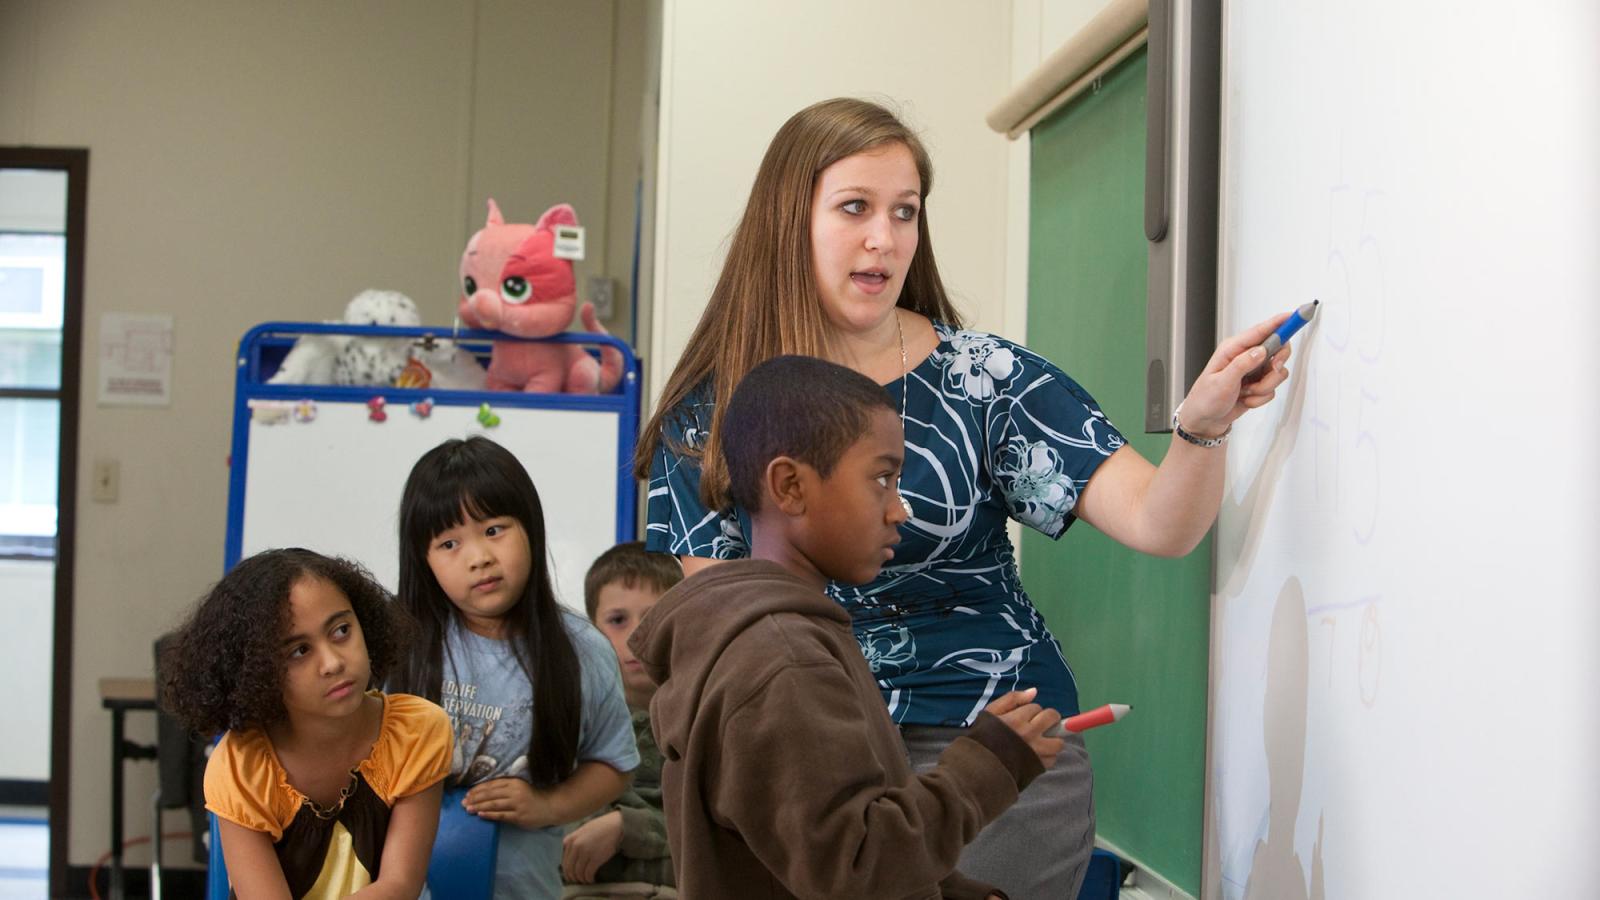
x,y
993,431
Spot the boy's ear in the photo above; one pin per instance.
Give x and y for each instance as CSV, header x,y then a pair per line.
x,y
785,483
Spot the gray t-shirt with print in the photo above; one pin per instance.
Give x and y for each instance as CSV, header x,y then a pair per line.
x,y
490,702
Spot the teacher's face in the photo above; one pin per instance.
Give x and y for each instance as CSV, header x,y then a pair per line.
x,y
864,213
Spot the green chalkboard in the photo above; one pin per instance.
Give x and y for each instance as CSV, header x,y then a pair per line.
x,y
1134,628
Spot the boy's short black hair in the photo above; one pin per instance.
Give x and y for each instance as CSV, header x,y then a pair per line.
x,y
223,670
632,565
797,406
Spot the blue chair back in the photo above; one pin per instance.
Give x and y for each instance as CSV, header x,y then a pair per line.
x,y
464,851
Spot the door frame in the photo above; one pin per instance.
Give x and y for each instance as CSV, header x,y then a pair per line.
x,y
75,162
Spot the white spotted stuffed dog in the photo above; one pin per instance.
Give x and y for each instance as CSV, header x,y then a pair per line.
x,y
346,359
375,360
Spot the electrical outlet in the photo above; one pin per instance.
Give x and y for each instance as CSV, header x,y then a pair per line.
x,y
105,481
603,294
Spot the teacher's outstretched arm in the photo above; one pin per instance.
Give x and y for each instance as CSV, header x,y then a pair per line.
x,y
1166,510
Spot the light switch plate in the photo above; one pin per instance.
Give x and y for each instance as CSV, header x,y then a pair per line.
x,y
105,481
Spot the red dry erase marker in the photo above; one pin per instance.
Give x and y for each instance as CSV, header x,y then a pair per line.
x,y
1094,718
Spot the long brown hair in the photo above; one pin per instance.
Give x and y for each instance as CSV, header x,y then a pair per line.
x,y
766,302
479,478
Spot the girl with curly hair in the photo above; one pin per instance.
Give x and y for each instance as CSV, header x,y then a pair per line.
x,y
322,785
833,258
533,691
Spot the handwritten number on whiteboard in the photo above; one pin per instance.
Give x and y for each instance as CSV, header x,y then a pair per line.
x,y
1366,438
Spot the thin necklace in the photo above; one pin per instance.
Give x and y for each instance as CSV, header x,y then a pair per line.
x,y
330,812
905,370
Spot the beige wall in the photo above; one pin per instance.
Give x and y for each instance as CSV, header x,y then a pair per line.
x,y
556,100
267,161
734,70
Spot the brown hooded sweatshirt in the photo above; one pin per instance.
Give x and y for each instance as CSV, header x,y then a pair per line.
x,y
784,775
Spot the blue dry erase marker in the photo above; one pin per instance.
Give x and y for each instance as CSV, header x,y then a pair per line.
x,y
1275,341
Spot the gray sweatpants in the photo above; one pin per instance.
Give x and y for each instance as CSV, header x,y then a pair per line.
x,y
1039,848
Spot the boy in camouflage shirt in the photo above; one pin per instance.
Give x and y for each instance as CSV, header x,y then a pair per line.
x,y
621,851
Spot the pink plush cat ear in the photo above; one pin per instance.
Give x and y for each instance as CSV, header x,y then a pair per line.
x,y
560,214
494,215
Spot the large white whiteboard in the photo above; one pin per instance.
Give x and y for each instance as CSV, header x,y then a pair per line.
x,y
333,485
1405,679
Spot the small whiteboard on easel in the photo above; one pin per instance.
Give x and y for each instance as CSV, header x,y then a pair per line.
x,y
331,481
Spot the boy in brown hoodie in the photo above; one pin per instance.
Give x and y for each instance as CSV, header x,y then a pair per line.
x,y
784,775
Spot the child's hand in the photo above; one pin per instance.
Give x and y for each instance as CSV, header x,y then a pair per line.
x,y
1029,720
510,800
588,847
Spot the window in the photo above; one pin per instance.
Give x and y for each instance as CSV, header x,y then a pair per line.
x,y
31,307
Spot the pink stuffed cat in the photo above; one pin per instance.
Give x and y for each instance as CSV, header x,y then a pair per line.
x,y
512,282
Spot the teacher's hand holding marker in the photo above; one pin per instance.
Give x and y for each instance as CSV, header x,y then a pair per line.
x,y
1242,375
1280,338
1166,509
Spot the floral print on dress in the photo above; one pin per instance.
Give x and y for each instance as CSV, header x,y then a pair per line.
x,y
890,649
993,432
977,363
694,438
730,543
1029,473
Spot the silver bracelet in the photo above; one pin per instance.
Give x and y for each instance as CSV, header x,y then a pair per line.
x,y
1217,441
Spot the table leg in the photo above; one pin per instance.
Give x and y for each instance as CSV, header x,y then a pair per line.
x,y
117,892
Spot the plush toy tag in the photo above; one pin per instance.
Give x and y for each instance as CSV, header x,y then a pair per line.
x,y
569,242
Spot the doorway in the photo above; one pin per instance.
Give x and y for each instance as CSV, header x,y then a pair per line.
x,y
42,223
